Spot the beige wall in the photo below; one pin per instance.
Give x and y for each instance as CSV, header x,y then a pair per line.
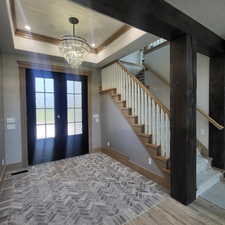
x,y
12,105
117,132
159,61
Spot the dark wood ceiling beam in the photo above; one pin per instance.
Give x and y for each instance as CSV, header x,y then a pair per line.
x,y
160,18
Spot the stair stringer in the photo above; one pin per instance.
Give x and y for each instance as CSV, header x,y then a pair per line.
x,y
153,150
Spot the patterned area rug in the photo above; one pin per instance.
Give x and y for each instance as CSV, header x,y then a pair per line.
x,y
92,189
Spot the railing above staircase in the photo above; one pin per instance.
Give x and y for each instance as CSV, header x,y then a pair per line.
x,y
207,117
144,104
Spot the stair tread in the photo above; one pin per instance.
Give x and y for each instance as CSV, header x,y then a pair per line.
x,y
144,135
125,108
206,179
160,158
119,101
137,125
152,145
106,90
205,175
166,170
131,116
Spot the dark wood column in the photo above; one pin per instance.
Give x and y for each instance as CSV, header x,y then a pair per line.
x,y
217,110
183,119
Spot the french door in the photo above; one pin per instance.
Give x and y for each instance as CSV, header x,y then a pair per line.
x,y
57,115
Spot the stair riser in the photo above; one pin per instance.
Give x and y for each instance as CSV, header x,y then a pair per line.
x,y
162,164
202,167
152,151
145,139
138,129
126,112
113,92
116,97
121,103
132,119
208,184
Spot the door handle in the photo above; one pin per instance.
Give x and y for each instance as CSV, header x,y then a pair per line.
x,y
58,116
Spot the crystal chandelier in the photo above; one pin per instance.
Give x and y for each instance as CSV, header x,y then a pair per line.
x,y
74,48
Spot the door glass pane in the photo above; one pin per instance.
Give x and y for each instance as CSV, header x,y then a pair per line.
x,y
78,128
49,85
49,100
40,131
71,128
70,101
50,117
70,87
39,84
50,129
45,113
77,86
78,115
74,107
40,116
70,116
78,100
40,103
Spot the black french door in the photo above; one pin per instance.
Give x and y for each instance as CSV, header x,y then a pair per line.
x,y
57,115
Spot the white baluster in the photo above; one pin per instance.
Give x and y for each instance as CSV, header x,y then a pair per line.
x,y
136,99
150,115
146,112
139,104
123,85
167,136
127,91
153,123
162,136
132,97
120,82
157,124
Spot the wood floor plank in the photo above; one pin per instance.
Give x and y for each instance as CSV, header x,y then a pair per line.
x,y
213,212
170,212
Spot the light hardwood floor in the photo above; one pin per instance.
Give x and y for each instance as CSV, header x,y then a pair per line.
x,y
170,212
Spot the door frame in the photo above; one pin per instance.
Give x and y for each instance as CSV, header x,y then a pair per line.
x,y
23,65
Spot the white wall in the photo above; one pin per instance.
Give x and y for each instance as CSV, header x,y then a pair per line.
x,y
2,150
203,98
159,61
11,91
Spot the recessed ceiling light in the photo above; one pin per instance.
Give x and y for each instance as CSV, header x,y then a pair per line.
x,y
27,27
93,45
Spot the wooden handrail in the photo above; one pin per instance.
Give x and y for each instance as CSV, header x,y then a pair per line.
x,y
149,93
210,119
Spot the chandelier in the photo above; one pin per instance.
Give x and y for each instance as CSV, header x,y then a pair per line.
x,y
74,48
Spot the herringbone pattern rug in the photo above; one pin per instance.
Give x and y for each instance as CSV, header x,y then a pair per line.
x,y
88,190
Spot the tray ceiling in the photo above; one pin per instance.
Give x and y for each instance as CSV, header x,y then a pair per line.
x,y
50,18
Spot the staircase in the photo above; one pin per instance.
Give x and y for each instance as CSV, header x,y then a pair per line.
x,y
149,119
206,176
